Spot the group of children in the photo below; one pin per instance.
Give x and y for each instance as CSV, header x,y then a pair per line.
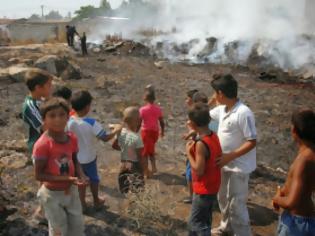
x,y
221,154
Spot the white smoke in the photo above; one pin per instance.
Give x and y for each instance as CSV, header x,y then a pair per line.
x,y
274,29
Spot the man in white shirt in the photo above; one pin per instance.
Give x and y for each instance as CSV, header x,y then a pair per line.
x,y
237,134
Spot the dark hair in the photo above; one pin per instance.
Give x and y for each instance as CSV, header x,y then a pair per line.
x,y
226,84
191,93
199,114
63,92
81,100
149,96
303,122
36,77
200,97
53,103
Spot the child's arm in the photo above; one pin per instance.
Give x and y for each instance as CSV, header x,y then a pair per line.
x,y
162,124
243,149
199,163
41,176
296,189
107,137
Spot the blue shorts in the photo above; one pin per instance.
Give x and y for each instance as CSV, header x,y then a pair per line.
x,y
291,225
188,172
90,170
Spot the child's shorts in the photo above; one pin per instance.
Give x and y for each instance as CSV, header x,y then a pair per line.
x,y
149,138
188,172
131,179
291,225
201,214
63,211
90,170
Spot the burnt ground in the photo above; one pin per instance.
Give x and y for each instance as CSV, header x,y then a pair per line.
x,y
117,81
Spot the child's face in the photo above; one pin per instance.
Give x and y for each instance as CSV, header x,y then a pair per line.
x,y
219,96
46,89
191,124
56,120
189,101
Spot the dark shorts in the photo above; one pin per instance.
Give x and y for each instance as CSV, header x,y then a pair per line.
x,y
131,180
90,170
291,225
201,215
188,172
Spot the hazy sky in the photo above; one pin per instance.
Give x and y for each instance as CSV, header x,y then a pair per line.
x,y
24,8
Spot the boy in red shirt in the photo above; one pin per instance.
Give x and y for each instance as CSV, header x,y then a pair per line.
x,y
56,166
206,176
151,116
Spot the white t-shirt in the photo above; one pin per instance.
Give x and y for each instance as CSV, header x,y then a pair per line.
x,y
236,127
87,131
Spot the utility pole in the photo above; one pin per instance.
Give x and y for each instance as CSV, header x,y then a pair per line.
x,y
42,7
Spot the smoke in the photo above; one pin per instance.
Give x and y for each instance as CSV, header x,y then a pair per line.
x,y
222,31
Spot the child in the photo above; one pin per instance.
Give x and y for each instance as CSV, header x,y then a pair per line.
x,y
151,117
295,197
56,166
65,93
203,154
130,145
237,135
87,130
39,84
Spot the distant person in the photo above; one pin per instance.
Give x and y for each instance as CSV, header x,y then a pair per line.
x,y
70,32
68,35
39,84
57,168
237,135
130,144
88,130
151,118
203,152
83,45
295,197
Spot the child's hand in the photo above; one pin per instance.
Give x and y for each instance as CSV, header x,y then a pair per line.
x,y
189,145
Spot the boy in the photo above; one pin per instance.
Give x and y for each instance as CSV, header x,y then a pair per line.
x,y
151,117
130,145
295,197
63,92
87,131
39,84
203,154
57,168
237,135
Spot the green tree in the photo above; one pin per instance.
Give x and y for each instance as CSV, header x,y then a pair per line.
x,y
105,5
34,17
86,11
54,15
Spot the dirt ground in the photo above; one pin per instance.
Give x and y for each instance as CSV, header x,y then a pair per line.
x,y
117,81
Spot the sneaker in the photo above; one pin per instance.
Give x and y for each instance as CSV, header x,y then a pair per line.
x,y
187,200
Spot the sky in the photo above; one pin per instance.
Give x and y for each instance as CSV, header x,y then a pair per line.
x,y
25,8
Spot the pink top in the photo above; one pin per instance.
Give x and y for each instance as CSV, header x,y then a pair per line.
x,y
150,115
58,157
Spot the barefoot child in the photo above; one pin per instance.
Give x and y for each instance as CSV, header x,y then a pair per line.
x,y
151,117
56,166
203,154
130,145
295,197
88,130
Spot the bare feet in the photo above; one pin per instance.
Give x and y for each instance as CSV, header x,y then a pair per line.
x,y
99,203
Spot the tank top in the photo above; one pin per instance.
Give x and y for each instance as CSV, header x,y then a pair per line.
x,y
209,182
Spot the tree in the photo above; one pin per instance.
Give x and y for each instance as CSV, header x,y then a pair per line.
x,y
86,11
53,15
105,5
34,17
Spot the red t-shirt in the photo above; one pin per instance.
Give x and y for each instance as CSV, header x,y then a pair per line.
x,y
150,115
58,157
209,182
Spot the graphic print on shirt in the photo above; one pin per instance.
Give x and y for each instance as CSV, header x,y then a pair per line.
x,y
63,163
